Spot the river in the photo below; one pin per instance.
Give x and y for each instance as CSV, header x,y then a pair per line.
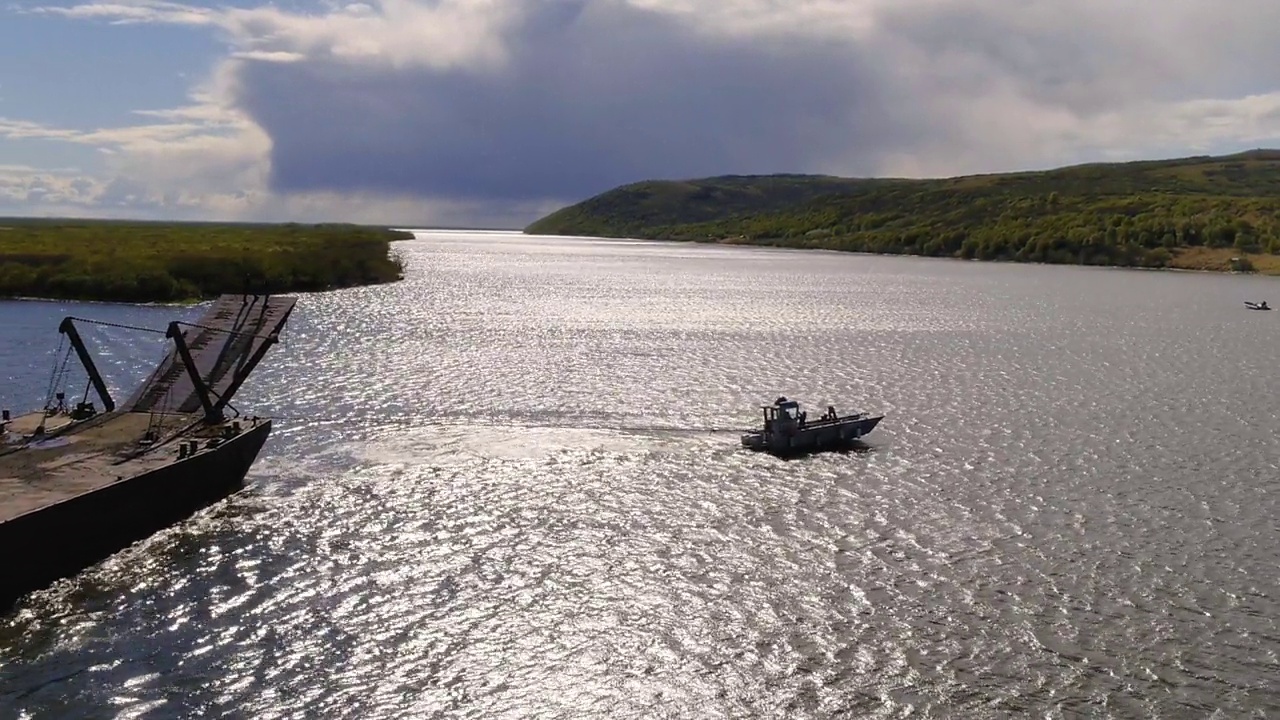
x,y
511,486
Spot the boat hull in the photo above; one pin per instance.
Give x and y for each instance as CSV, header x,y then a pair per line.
x,y
820,437
61,539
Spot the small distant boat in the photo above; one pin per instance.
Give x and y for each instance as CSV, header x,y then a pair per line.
x,y
1257,306
788,431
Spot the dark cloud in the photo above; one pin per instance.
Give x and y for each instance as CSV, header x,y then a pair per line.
x,y
593,96
498,110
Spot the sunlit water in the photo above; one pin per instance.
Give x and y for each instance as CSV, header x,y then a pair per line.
x,y
510,486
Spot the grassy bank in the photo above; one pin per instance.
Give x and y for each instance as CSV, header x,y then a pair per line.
x,y
163,262
1224,260
1192,213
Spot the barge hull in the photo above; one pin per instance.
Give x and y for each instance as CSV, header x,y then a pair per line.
x,y
61,539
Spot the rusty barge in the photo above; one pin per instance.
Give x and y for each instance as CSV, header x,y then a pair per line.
x,y
79,483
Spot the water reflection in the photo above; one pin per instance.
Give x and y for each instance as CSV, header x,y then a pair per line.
x,y
511,486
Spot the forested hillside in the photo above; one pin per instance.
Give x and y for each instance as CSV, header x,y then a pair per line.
x,y
1198,211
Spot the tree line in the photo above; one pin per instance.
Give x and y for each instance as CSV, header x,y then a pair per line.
x,y
1134,214
156,262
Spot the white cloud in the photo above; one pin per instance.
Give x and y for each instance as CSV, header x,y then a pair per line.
x,y
269,55
140,11
21,184
497,108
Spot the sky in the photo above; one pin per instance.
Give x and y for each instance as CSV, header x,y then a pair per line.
x,y
490,113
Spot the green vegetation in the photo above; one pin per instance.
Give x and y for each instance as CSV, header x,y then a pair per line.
x,y
1194,213
159,262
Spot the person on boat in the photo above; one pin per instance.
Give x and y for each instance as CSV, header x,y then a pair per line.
x,y
1263,305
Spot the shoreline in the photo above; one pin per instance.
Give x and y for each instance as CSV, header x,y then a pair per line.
x,y
1271,262
184,264
1192,213
189,302
164,304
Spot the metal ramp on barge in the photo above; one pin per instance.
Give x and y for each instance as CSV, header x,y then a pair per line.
x,y
223,347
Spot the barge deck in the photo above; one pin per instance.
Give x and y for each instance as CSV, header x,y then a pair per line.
x,y
78,484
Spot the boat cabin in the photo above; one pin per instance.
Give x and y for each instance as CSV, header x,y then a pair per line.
x,y
783,415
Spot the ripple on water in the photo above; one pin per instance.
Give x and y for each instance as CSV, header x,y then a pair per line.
x,y
509,487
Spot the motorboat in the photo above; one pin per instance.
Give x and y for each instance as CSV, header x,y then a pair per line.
x,y
787,429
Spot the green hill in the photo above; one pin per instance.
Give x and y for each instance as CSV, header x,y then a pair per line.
x,y
1197,212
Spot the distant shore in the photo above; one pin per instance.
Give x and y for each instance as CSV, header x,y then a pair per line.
x,y
1197,213
146,262
1194,259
